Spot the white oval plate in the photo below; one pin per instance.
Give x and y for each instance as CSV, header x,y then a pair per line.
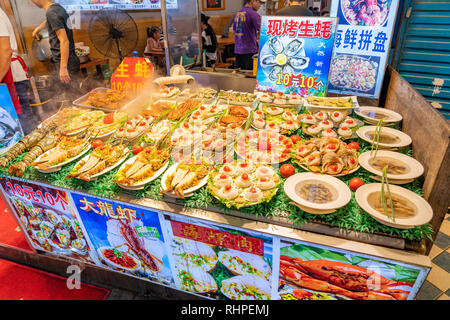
x,y
424,215
405,140
60,165
114,265
188,192
142,184
118,163
344,193
391,116
313,107
416,168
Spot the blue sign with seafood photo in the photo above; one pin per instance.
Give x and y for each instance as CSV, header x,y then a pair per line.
x,y
294,54
10,129
361,48
126,238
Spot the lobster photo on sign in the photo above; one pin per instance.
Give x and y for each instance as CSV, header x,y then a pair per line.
x,y
125,238
313,272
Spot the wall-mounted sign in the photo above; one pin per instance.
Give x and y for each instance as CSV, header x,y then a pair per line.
x,y
126,238
46,215
116,4
362,44
295,54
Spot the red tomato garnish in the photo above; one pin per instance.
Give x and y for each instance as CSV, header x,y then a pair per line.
x,y
353,145
136,149
295,138
97,143
287,170
355,183
244,176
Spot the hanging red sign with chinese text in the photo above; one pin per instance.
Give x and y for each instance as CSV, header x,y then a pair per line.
x,y
132,74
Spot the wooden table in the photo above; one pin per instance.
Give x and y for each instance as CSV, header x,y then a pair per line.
x,y
155,56
97,63
222,43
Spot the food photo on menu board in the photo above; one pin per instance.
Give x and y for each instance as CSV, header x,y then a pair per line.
x,y
126,238
219,262
294,54
313,272
361,47
45,214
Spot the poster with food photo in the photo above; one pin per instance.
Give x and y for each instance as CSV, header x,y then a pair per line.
x,y
313,272
219,262
46,216
362,45
126,238
294,54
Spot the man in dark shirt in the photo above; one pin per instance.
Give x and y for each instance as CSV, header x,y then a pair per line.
x,y
61,42
295,9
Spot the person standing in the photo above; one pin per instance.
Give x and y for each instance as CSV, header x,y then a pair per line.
x,y
62,45
247,24
209,41
295,9
16,75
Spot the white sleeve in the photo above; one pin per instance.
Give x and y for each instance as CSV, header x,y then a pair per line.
x,y
4,31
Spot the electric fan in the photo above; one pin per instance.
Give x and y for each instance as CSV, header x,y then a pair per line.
x,y
113,33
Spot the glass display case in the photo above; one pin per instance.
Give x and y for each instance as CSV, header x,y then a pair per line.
x,y
181,28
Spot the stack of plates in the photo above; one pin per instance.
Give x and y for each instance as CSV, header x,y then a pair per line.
x,y
317,193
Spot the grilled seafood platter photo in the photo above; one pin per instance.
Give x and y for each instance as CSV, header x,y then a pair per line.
x,y
195,280
240,183
118,259
246,288
193,254
243,263
81,122
325,155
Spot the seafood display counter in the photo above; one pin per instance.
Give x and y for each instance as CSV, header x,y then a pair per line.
x,y
205,191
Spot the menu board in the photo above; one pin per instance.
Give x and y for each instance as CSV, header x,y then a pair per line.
x,y
117,4
220,261
126,238
217,261
314,272
362,45
46,216
294,54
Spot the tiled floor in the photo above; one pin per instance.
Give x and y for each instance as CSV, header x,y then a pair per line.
x,y
437,284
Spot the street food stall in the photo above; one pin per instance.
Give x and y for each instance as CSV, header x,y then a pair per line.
x,y
206,186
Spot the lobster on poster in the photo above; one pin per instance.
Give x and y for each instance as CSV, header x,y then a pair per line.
x,y
314,273
126,238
